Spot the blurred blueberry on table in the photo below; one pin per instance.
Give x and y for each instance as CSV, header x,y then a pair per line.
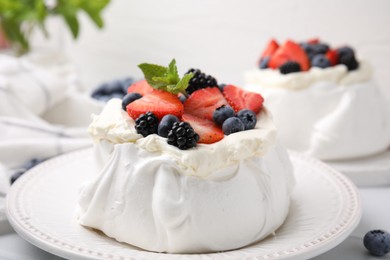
x,y
377,242
27,166
112,89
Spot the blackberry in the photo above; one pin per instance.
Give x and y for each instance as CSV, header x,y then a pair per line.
x,y
289,67
146,124
200,80
348,59
183,136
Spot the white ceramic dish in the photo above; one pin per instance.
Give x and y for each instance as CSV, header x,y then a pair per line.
x,y
325,209
368,171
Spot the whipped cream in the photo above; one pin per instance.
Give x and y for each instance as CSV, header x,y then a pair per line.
x,y
327,113
338,74
210,198
142,198
114,125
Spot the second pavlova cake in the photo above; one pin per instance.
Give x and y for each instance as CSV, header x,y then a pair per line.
x,y
185,166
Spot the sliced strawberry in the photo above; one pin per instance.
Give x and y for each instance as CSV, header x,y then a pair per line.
x,y
240,99
289,51
158,102
142,87
207,130
313,41
333,57
203,102
270,49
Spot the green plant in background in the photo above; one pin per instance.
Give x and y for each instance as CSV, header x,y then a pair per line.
x,y
18,18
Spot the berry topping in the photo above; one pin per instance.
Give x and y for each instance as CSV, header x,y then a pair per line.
x,y
290,67
222,113
130,97
377,242
345,50
248,117
349,60
166,124
221,87
313,41
203,102
200,80
232,125
182,97
207,130
289,51
183,136
141,87
333,57
112,89
321,61
160,103
240,99
146,124
270,49
263,64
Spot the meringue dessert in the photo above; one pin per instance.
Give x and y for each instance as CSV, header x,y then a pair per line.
x,y
324,101
201,176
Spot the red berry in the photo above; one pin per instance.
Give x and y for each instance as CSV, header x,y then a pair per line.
x,y
142,87
207,130
240,99
290,51
158,102
203,102
270,49
333,57
313,41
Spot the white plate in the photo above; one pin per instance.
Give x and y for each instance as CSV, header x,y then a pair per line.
x,y
325,209
367,171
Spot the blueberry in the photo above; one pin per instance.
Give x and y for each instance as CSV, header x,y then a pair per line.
x,y
377,242
321,61
232,125
248,117
182,98
130,98
221,87
126,82
346,50
222,113
320,48
314,49
166,124
263,64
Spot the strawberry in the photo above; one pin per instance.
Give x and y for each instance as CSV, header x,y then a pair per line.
x,y
270,49
333,57
240,99
289,51
207,130
313,41
158,102
142,87
203,102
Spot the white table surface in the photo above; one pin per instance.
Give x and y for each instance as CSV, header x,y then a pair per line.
x,y
376,215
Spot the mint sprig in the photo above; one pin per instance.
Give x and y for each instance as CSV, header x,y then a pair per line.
x,y
165,78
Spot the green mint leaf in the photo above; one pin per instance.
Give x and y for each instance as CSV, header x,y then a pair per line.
x,y
183,83
173,75
151,71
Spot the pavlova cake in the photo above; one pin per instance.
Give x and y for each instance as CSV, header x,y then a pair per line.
x,y
323,99
185,166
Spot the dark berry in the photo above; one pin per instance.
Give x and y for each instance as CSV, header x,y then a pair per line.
x,y
166,124
112,89
221,87
314,49
349,60
345,50
200,80
263,64
126,83
146,124
232,125
248,117
182,98
321,61
130,98
377,242
222,113
183,136
289,67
